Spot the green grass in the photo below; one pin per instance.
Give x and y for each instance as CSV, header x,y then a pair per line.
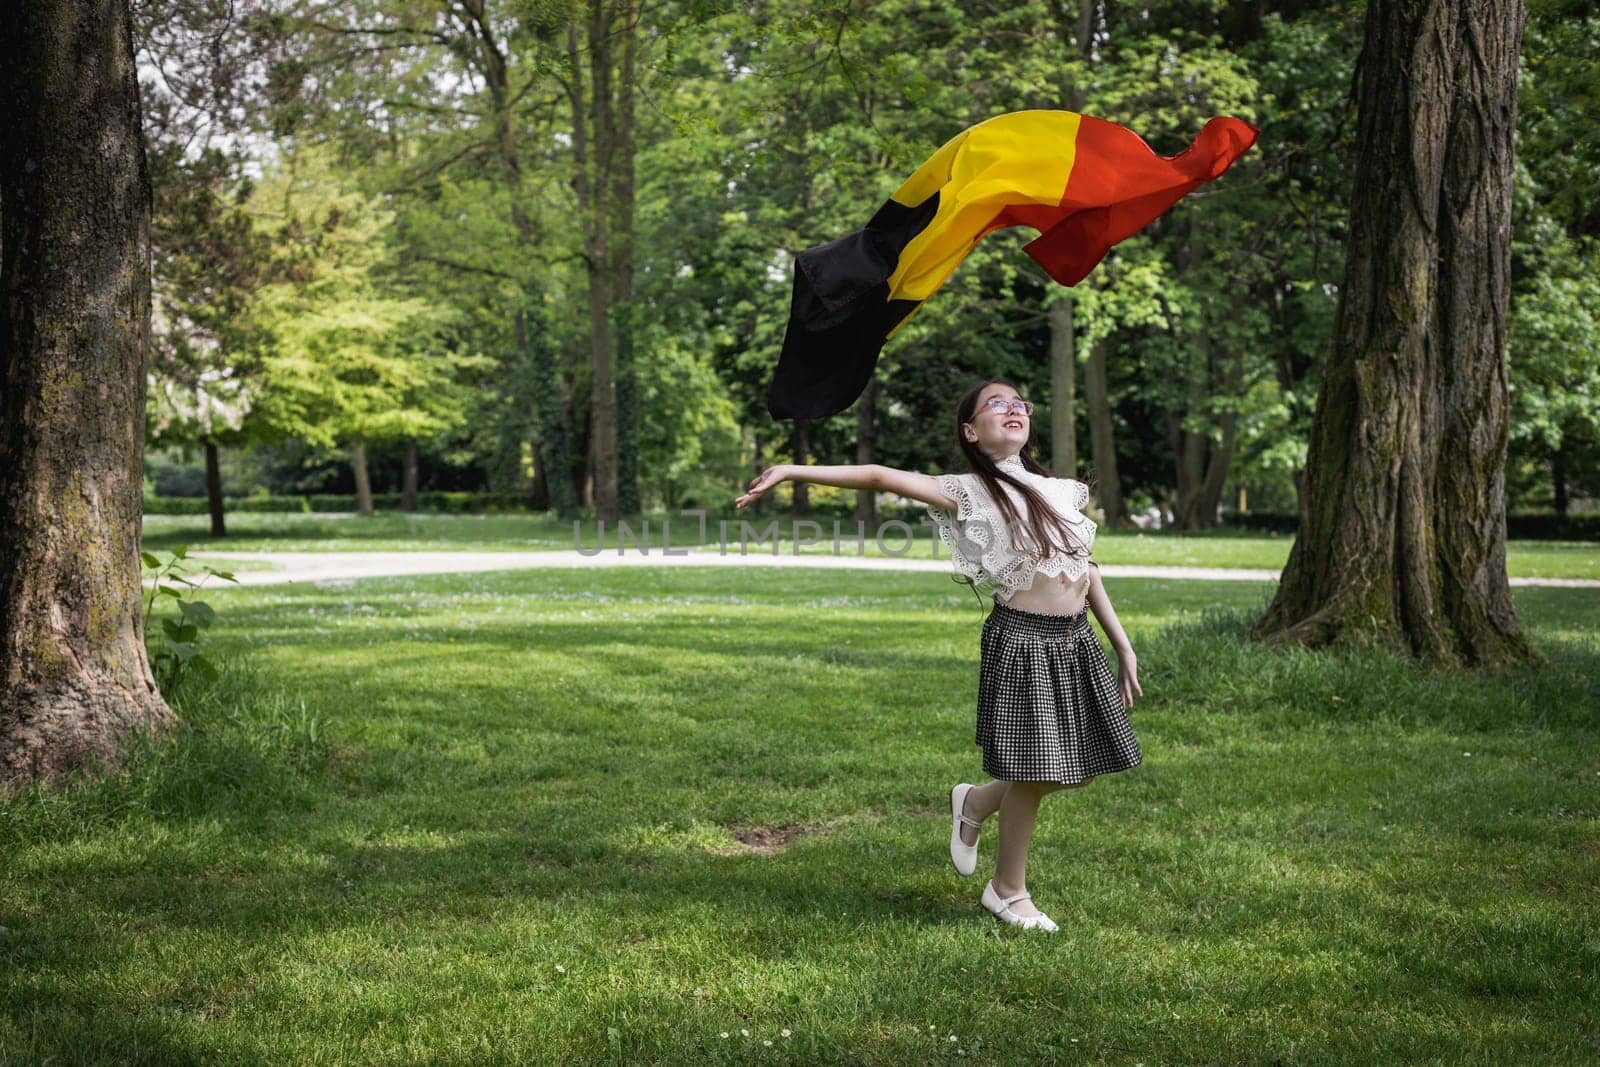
x,y
397,531
494,818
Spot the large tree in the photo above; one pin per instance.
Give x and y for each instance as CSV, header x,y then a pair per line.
x,y
1402,532
74,332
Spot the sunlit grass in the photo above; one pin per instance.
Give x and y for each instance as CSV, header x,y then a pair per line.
x,y
496,817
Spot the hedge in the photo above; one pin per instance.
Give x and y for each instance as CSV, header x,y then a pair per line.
x,y
455,503
1528,526
1534,526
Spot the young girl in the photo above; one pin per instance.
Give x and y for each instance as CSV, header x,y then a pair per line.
x,y
1050,714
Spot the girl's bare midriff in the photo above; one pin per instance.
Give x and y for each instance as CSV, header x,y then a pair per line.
x,y
1053,595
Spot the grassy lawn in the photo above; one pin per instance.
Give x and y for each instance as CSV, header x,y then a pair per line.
x,y
609,816
396,531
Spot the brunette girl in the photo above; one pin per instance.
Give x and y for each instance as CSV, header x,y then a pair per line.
x,y
1051,715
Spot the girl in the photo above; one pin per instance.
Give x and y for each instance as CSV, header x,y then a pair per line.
x,y
1050,715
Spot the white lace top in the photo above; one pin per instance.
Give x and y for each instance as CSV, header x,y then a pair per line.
x,y
981,547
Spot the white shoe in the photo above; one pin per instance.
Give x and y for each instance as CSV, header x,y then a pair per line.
x,y
963,855
1002,911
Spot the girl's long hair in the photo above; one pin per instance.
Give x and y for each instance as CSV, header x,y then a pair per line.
x,y
1042,518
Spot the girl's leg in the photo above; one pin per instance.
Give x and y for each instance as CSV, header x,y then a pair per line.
x,y
982,801
1018,811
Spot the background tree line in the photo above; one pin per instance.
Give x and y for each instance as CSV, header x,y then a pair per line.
x,y
545,247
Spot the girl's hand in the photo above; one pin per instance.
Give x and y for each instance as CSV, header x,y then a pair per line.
x,y
1128,677
764,481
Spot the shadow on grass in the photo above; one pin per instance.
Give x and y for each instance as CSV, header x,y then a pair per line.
x,y
265,824
1212,662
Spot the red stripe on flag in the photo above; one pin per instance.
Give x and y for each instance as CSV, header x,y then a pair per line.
x,y
1118,185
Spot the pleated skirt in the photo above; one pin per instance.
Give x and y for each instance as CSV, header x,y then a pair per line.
x,y
1048,705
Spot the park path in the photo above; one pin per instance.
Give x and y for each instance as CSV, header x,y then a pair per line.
x,y
294,567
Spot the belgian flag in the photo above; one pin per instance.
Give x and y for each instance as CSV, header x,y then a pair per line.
x,y
1082,182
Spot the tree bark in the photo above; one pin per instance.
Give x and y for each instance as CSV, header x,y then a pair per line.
x,y
866,437
800,442
1063,389
358,464
551,396
552,451
622,267
1558,478
539,485
408,477
1102,442
219,526
75,680
594,204
1403,538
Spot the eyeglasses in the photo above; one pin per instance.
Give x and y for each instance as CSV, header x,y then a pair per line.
x,y
1008,407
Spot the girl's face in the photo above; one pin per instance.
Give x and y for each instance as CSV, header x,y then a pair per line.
x,y
997,433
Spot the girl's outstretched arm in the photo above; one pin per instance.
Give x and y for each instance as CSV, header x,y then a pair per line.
x,y
1127,662
923,487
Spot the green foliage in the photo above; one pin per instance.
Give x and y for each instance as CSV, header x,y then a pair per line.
x,y
350,356
175,655
406,245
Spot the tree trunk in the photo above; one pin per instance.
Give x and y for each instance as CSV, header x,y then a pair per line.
x,y
408,477
358,463
761,503
75,679
214,489
1403,541
866,432
594,205
1102,442
539,487
801,444
622,269
1063,389
553,421
552,451
1558,478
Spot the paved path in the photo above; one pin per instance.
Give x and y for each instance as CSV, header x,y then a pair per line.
x,y
326,566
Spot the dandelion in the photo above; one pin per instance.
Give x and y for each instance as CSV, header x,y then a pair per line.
x,y
784,1031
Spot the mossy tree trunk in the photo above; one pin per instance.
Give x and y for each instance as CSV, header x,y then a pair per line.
x,y
1402,533
75,681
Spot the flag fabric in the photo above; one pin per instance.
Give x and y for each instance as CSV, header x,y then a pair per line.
x,y
1083,183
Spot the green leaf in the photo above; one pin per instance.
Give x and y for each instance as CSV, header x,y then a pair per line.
x,y
150,559
197,612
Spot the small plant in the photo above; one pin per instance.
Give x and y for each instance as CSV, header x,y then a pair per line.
x,y
177,652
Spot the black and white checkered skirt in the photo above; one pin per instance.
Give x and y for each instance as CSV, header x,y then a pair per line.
x,y
1048,705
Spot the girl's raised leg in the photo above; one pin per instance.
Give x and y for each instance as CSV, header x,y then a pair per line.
x,y
982,801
